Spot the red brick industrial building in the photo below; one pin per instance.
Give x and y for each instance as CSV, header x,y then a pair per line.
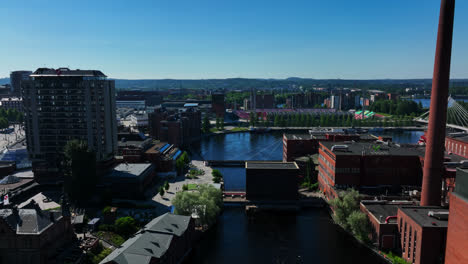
x,y
457,144
298,145
457,234
368,167
423,231
178,128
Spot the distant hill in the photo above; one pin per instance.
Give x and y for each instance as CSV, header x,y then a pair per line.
x,y
4,81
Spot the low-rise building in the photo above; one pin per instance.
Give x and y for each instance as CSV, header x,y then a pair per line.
x,y
130,180
423,232
457,144
166,239
382,216
12,103
132,104
31,235
372,168
269,180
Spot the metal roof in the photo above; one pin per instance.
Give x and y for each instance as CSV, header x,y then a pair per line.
x,y
129,170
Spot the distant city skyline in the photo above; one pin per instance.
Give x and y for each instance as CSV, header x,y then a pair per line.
x,y
215,39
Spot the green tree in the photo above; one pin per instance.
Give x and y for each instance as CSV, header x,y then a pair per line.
x,y
125,226
161,191
221,124
3,123
359,225
344,205
253,119
206,202
180,166
166,185
79,167
206,124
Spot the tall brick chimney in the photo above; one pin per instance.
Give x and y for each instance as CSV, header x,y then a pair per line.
x,y
433,162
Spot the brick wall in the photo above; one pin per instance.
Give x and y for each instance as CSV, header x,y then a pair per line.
x,y
457,234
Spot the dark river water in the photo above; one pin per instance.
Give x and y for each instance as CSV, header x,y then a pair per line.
x,y
306,237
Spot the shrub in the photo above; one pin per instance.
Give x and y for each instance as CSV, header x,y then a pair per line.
x,y
106,210
166,186
185,187
359,225
125,226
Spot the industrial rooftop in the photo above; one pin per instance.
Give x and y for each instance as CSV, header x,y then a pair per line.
x,y
273,165
129,170
420,215
373,148
50,72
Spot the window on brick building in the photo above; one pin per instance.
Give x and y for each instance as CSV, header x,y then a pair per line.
x,y
414,245
404,239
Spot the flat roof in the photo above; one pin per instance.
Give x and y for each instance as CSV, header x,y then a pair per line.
x,y
460,137
129,170
65,72
420,215
374,148
276,165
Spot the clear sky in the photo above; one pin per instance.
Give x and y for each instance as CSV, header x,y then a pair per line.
x,y
348,39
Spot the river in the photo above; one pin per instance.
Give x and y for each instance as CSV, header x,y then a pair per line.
x,y
306,237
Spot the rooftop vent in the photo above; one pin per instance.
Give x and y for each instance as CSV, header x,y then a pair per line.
x,y
439,215
339,147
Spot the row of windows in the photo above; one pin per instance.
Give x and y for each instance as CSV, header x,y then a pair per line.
x,y
409,247
329,164
330,175
347,170
459,149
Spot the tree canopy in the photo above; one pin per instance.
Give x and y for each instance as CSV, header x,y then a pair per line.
x,y
206,202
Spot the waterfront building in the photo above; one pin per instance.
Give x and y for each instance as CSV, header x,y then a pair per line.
x,y
16,80
271,180
32,235
178,128
163,155
166,239
457,144
423,232
217,104
15,103
61,105
457,233
373,168
130,180
382,216
132,147
298,145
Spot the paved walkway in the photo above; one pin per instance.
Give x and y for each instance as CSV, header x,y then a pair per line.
x,y
175,185
11,138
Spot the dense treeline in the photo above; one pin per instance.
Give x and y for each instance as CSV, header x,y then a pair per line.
x,y
10,116
400,107
326,120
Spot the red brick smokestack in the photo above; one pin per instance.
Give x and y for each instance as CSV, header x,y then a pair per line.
x,y
434,158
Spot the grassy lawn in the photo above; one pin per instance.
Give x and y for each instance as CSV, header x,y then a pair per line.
x,y
384,114
236,129
192,186
112,237
212,130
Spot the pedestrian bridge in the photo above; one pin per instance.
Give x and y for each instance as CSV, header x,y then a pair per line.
x,y
457,116
231,163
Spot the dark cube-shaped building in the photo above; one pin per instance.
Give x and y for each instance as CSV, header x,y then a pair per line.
x,y
266,180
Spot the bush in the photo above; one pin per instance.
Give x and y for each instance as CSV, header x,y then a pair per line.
x,y
106,210
312,187
125,226
216,180
185,187
216,173
161,191
105,227
344,205
166,186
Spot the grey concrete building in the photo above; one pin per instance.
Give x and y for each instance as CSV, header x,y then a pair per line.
x,y
62,105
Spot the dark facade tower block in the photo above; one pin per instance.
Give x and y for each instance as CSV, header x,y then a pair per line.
x,y
62,105
266,180
217,104
433,164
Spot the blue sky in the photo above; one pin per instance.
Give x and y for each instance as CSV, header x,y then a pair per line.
x,y
218,39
